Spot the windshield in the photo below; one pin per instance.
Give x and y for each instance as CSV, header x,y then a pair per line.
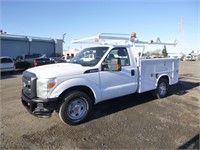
x,y
89,56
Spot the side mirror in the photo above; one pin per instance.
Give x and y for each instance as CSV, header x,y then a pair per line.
x,y
113,65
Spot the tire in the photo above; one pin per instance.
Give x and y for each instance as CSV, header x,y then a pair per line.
x,y
162,88
76,107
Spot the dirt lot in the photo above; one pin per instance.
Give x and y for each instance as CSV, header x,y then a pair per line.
x,y
131,122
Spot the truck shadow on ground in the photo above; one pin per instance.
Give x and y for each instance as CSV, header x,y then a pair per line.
x,y
118,104
182,87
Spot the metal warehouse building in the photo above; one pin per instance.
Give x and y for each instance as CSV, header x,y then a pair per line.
x,y
18,45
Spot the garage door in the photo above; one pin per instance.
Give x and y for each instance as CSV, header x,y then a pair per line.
x,y
13,48
41,47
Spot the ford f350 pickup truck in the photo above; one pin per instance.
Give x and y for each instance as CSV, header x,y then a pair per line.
x,y
96,74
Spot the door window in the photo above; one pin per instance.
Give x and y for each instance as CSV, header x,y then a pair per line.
x,y
119,53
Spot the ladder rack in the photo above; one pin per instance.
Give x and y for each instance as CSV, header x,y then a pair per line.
x,y
127,39
115,38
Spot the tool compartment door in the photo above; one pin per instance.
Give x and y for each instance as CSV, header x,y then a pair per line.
x,y
146,78
150,71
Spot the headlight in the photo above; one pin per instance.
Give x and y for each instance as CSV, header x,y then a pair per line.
x,y
44,85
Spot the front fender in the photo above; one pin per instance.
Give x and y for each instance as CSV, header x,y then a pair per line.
x,y
76,82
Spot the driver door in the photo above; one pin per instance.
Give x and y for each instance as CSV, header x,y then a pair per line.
x,y
118,83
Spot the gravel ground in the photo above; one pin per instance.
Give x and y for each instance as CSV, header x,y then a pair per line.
x,y
130,122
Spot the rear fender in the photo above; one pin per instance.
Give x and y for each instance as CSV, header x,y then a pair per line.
x,y
163,76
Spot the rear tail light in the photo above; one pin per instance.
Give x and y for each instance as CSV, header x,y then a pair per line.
x,y
35,63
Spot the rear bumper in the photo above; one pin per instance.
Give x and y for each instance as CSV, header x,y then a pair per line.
x,y
40,107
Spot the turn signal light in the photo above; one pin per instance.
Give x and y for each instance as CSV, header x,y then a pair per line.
x,y
51,85
118,67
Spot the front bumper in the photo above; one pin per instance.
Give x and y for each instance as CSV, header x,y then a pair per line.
x,y
40,107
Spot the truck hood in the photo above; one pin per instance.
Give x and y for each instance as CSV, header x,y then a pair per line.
x,y
58,70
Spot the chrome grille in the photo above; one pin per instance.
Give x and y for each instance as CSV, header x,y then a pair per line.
x,y
29,84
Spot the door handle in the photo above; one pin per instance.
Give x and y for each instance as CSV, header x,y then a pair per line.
x,y
132,72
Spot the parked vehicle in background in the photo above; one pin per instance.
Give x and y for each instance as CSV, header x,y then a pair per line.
x,y
66,57
43,61
7,64
59,60
26,61
189,58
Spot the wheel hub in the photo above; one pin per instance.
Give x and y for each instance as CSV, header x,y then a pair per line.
x,y
162,89
76,109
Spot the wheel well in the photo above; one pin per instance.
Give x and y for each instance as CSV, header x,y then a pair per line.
x,y
165,77
84,89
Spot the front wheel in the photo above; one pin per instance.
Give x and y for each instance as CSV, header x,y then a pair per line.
x,y
76,107
162,88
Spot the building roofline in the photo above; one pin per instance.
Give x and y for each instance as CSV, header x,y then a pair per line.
x,y
26,37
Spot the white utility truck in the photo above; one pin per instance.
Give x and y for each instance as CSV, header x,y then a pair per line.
x,y
96,74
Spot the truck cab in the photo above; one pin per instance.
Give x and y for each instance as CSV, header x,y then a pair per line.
x,y
73,88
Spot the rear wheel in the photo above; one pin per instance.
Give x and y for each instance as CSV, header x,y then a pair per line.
x,y
76,107
162,88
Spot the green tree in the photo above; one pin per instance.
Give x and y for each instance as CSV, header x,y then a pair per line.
x,y
164,51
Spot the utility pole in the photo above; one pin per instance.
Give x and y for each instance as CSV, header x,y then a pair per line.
x,y
181,42
63,37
